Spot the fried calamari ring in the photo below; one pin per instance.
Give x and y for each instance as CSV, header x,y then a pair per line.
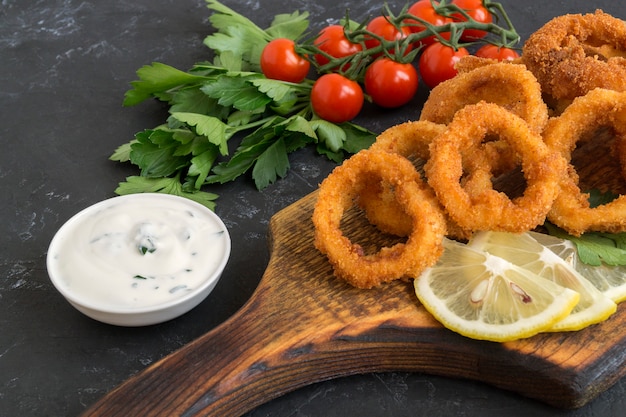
x,y
475,205
471,62
571,210
411,140
338,192
573,54
509,85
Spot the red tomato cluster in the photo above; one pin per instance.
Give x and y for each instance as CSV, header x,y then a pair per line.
x,y
389,83
437,61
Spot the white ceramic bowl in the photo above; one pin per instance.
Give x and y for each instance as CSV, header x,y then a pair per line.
x,y
139,259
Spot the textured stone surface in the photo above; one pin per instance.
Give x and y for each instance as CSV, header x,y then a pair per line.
x,y
64,68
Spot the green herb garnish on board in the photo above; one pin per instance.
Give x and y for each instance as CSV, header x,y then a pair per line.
x,y
596,248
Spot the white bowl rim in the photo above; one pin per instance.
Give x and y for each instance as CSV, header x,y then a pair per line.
x,y
209,281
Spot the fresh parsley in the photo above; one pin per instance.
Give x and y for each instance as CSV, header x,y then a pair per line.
x,y
215,101
138,184
596,248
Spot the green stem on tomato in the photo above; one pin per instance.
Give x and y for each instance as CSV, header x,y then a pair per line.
x,y
354,66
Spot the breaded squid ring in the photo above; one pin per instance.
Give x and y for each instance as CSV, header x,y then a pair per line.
x,y
574,53
571,210
509,85
471,62
338,192
411,140
476,205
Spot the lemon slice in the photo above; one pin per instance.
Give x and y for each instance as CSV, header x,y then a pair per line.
x,y
610,280
525,251
485,297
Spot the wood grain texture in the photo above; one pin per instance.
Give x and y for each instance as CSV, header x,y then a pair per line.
x,y
302,326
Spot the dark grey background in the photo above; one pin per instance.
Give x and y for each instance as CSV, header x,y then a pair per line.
x,y
64,67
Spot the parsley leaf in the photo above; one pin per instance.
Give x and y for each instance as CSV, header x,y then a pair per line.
x,y
357,138
271,164
276,90
596,248
301,125
290,26
236,92
157,78
251,147
331,135
204,156
238,33
598,198
136,184
122,153
226,19
193,100
155,153
211,127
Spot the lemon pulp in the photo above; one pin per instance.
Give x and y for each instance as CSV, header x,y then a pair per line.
x,y
524,250
610,280
486,297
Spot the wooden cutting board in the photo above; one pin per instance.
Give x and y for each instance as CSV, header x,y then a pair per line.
x,y
302,326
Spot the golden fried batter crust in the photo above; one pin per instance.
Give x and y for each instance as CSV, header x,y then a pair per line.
x,y
507,85
574,53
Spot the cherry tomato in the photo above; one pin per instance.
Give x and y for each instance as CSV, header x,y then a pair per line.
x,y
279,61
476,10
500,53
425,11
436,64
336,98
332,40
382,27
390,83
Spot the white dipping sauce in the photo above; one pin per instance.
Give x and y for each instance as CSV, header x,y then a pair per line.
x,y
138,252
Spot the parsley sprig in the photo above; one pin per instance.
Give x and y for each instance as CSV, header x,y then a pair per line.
x,y
596,248
215,101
